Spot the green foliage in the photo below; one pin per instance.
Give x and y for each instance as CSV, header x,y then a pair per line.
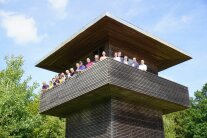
x,y
191,123
169,125
19,106
194,122
51,128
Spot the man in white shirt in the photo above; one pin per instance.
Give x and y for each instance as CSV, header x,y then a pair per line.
x,y
116,56
142,66
125,60
120,58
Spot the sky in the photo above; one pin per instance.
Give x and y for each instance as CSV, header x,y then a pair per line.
x,y
33,28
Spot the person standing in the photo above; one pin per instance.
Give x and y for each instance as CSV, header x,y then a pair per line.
x,y
96,58
120,58
82,67
62,78
125,60
44,87
57,81
89,63
67,74
134,63
116,56
78,70
103,56
72,72
142,66
50,85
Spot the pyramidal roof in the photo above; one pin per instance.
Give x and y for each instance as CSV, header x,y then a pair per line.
x,y
110,28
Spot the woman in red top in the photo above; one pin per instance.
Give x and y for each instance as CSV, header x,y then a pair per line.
x,y
89,63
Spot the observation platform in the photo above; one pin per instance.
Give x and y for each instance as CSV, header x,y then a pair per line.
x,y
113,79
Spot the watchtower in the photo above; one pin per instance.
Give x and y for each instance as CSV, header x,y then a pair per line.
x,y
112,99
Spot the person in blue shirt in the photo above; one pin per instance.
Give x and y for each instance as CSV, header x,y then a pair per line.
x,y
81,66
134,63
44,87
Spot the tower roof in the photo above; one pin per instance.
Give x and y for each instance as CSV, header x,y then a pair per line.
x,y
115,30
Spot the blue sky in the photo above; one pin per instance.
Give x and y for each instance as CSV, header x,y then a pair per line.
x,y
35,27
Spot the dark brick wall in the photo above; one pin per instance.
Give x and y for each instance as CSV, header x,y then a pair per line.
x,y
94,122
91,79
147,83
111,72
115,119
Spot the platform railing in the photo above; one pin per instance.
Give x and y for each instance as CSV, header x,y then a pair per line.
x,y
112,72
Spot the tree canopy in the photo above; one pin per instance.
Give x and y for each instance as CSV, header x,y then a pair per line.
x,y
190,123
19,105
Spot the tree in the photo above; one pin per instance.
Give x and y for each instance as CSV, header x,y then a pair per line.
x,y
194,122
190,123
19,105
169,125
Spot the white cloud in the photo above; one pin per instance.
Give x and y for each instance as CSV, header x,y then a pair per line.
x,y
59,6
19,27
2,1
171,22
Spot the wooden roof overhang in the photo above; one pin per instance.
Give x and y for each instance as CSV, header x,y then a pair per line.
x,y
108,28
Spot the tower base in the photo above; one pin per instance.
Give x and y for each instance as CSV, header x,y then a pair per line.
x,y
115,119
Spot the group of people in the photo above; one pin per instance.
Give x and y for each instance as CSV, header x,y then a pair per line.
x,y
80,67
133,63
